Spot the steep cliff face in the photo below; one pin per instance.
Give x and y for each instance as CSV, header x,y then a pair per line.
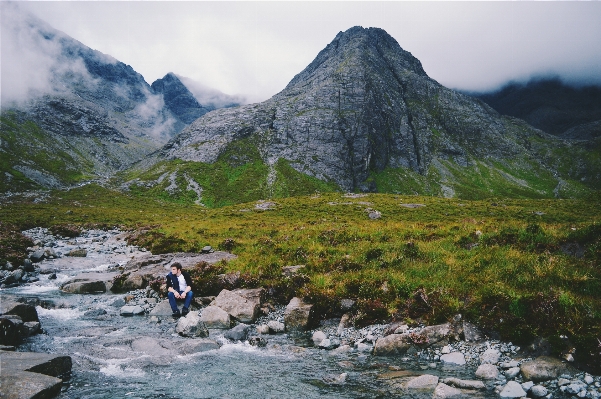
x,y
365,116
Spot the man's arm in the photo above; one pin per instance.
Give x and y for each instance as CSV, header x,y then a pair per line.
x,y
188,283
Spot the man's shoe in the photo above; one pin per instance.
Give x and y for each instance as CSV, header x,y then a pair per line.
x,y
185,311
176,314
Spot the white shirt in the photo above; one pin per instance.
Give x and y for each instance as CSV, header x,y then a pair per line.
x,y
182,283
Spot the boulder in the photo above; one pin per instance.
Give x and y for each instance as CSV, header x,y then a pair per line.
x,y
37,256
192,346
257,341
237,306
28,266
129,310
512,372
11,328
237,333
85,287
490,356
263,329
152,346
538,391
163,308
453,358
275,327
466,384
80,253
26,312
298,314
543,368
254,295
13,277
393,344
215,317
487,372
438,335
512,390
345,321
443,391
317,337
471,333
191,326
31,328
426,381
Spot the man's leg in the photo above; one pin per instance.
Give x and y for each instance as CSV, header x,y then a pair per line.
x,y
172,302
188,301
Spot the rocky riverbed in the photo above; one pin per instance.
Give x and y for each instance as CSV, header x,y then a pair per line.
x,y
236,344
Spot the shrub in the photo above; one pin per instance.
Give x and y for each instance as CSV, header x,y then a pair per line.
x,y
13,245
227,245
370,311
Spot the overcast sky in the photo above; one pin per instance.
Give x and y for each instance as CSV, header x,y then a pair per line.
x,y
255,48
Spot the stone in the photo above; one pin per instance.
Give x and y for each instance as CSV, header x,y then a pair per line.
x,y
129,310
527,385
444,391
191,326
14,277
393,344
345,321
426,381
326,344
275,327
512,372
94,313
263,329
490,356
237,333
163,308
236,306
254,295
289,271
347,304
453,358
85,286
11,328
206,249
341,350
197,345
438,333
25,311
487,371
562,382
588,379
512,390
37,256
28,266
31,328
374,214
317,337
445,349
538,391
298,315
80,253
471,333
361,347
510,364
402,329
336,379
466,384
215,317
543,368
257,341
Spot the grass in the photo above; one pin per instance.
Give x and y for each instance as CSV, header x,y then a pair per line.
x,y
508,265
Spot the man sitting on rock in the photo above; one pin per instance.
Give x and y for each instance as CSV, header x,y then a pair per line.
x,y
179,286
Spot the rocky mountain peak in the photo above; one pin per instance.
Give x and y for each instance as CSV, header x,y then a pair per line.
x,y
178,99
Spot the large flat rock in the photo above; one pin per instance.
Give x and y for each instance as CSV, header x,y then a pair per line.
x,y
9,306
28,375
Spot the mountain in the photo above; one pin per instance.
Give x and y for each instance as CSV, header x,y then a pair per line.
x,y
365,116
71,114
551,105
179,100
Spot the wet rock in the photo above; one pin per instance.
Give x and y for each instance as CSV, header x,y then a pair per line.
x,y
426,381
341,349
25,311
237,333
257,341
81,253
37,256
512,390
94,313
487,372
298,315
129,310
119,302
215,317
85,287
444,391
335,379
527,385
490,356
317,337
361,347
152,346
31,328
275,327
191,326
512,372
543,368
393,344
453,358
263,329
326,344
198,345
345,321
28,266
11,330
466,384
13,277
237,306
538,391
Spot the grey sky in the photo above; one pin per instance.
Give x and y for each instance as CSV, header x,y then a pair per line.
x,y
255,49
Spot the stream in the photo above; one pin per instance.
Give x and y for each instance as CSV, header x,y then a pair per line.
x,y
137,357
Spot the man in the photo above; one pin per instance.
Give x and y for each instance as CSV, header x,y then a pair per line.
x,y
179,286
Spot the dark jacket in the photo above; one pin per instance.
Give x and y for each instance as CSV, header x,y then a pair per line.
x,y
172,281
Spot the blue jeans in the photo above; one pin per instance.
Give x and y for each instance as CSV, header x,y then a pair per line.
x,y
187,301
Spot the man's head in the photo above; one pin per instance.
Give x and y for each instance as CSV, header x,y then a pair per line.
x,y
176,268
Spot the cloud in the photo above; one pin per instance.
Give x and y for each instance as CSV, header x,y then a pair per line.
x,y
209,97
33,60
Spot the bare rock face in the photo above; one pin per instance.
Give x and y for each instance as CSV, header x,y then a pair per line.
x,y
298,314
543,368
237,306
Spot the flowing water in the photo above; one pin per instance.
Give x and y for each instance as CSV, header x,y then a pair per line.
x,y
133,357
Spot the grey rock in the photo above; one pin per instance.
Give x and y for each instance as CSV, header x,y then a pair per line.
x,y
275,327
361,347
393,344
347,304
237,306
11,330
543,368
317,337
453,358
191,326
426,381
512,390
84,287
237,333
345,321
95,312
257,341
197,345
538,391
129,310
527,385
289,271
31,328
81,253
298,315
444,391
37,256
326,344
28,266
26,312
487,372
263,329
13,277
466,384
490,356
215,317
512,372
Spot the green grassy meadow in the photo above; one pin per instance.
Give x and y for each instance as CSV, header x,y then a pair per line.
x,y
522,268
